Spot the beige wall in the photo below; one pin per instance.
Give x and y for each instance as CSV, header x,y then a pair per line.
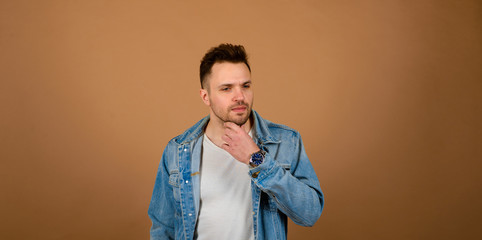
x,y
386,94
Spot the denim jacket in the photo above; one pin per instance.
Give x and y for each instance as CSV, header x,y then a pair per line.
x,y
284,185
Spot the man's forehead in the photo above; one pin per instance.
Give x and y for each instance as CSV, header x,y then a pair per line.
x,y
226,67
229,73
231,83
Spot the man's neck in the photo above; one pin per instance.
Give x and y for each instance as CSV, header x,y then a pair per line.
x,y
215,129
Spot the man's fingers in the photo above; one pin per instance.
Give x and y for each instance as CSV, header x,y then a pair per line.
x,y
232,126
229,132
225,146
226,138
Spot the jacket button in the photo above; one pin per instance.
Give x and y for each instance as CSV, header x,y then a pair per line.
x,y
255,175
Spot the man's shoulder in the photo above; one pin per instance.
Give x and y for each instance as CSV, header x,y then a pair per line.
x,y
190,134
277,127
275,131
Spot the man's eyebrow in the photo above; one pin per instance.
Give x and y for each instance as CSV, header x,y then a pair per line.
x,y
225,85
231,84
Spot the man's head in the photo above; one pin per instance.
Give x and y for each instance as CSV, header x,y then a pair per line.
x,y
223,53
226,84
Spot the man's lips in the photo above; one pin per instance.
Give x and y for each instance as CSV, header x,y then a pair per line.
x,y
239,109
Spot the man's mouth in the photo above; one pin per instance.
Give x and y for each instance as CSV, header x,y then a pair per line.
x,y
239,109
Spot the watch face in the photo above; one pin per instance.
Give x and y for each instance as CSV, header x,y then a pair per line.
x,y
257,158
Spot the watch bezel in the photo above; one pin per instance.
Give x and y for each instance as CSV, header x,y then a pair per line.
x,y
257,158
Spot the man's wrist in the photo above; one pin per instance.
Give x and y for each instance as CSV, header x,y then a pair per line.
x,y
251,154
257,158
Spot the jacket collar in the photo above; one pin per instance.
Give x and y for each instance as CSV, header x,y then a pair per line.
x,y
263,134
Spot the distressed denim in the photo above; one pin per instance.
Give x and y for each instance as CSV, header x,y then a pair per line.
x,y
284,185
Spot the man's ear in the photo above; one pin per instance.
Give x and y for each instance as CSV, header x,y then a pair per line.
x,y
204,96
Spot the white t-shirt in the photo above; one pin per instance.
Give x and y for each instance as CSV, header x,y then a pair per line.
x,y
225,210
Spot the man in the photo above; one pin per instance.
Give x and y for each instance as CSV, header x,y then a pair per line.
x,y
233,175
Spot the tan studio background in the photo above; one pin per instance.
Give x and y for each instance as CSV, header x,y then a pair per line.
x,y
387,96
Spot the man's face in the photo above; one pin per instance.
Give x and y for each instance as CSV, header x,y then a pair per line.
x,y
230,96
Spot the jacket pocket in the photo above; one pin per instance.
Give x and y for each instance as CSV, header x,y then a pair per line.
x,y
174,181
286,167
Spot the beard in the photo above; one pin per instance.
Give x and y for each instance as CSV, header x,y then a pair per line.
x,y
238,118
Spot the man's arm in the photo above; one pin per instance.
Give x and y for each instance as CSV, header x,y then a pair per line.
x,y
161,209
296,191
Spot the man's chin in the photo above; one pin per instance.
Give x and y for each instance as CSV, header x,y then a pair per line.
x,y
239,120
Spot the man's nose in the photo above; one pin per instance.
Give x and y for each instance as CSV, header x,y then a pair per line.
x,y
238,95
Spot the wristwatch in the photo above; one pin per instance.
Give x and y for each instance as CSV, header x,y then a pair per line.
x,y
257,158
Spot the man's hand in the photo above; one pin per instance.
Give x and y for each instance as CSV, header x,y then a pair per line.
x,y
238,143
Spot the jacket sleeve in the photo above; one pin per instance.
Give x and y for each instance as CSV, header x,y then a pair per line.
x,y
161,209
296,190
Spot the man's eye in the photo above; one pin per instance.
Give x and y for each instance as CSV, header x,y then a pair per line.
x,y
247,86
224,89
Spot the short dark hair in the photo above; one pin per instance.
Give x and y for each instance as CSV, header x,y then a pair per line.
x,y
225,52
